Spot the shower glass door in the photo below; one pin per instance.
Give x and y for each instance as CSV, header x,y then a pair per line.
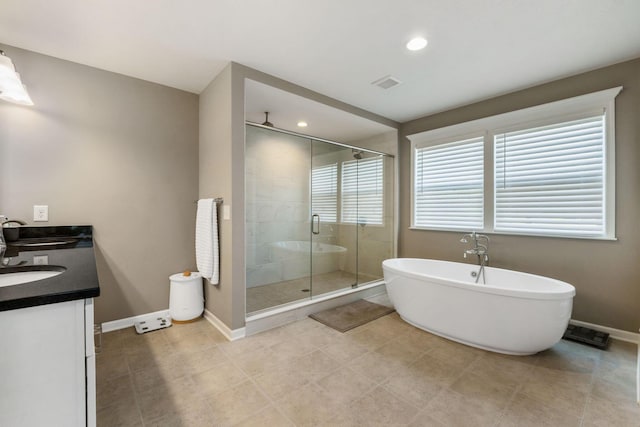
x,y
333,244
319,217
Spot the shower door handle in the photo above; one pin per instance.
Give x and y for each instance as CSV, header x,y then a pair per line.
x,y
315,226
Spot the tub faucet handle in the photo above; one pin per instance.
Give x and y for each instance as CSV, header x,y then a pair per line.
x,y
466,237
482,236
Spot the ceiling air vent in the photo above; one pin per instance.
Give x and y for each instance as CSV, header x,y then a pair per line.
x,y
386,82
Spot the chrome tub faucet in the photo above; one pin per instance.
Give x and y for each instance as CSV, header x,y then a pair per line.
x,y
481,250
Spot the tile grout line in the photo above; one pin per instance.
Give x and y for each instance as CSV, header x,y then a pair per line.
x,y
248,377
121,352
512,398
174,351
260,389
589,392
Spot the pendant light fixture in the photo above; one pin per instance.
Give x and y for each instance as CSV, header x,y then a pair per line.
x,y
11,87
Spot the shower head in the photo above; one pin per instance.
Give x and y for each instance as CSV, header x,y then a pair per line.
x,y
357,154
266,120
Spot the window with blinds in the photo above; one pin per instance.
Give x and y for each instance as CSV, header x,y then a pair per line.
x,y
546,170
363,191
550,179
324,192
449,185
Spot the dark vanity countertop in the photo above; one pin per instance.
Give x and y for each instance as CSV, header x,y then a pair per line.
x,y
70,247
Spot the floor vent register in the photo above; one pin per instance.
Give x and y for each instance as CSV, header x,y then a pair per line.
x,y
587,336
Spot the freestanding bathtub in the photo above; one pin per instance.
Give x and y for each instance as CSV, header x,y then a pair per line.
x,y
513,313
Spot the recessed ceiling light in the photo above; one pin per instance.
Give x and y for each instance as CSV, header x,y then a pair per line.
x,y
417,43
302,124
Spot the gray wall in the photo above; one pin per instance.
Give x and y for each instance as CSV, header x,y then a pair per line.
x,y
222,134
115,152
222,175
122,154
215,180
605,273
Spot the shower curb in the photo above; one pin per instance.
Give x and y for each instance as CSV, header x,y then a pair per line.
x,y
281,316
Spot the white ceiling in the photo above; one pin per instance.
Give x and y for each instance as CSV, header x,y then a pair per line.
x,y
286,110
477,48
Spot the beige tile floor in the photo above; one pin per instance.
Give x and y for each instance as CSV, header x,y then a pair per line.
x,y
275,294
381,374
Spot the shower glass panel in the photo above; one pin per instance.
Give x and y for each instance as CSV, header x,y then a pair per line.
x,y
278,247
319,217
375,232
333,248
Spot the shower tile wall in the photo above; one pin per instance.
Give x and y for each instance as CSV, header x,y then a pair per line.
x,y
277,208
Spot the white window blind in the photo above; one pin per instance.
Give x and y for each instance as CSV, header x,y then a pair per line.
x,y
550,179
448,185
363,191
324,189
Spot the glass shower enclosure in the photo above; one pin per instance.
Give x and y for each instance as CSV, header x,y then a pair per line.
x,y
319,216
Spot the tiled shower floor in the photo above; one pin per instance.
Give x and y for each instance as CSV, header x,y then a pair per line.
x,y
383,373
275,294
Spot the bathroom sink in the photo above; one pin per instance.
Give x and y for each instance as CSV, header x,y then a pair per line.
x,y
10,276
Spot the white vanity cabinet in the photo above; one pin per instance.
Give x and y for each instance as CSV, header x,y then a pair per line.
x,y
47,365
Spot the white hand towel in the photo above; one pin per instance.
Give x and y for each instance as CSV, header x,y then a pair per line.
x,y
207,256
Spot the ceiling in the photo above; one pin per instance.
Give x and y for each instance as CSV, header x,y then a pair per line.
x,y
287,109
477,49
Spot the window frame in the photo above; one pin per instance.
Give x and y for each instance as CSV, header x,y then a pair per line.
x,y
444,141
601,102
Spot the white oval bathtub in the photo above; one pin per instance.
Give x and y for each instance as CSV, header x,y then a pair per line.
x,y
513,313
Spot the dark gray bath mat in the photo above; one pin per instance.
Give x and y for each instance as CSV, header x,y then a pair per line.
x,y
352,315
587,336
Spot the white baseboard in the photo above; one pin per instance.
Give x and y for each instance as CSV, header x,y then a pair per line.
x,y
230,334
617,334
115,325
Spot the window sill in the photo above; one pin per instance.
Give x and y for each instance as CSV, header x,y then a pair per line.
x,y
499,233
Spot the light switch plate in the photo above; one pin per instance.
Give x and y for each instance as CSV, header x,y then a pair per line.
x,y
226,212
40,213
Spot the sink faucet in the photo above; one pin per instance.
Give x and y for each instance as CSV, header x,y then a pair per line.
x,y
480,250
3,244
6,262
